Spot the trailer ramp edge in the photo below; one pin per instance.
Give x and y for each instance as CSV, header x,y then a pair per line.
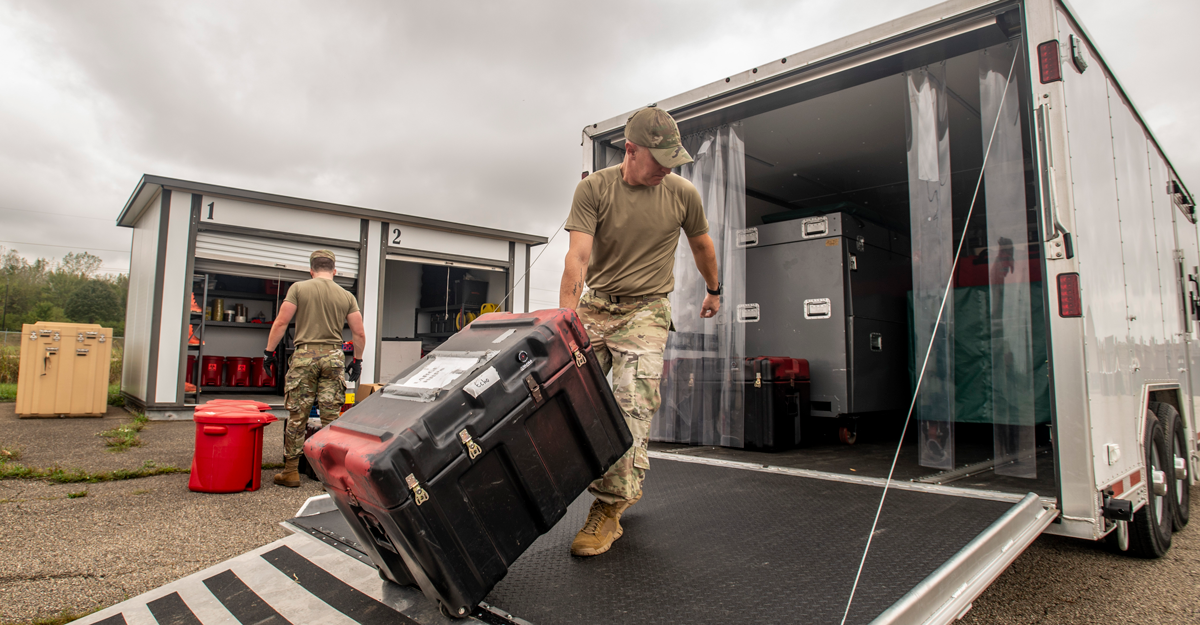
x,y
947,594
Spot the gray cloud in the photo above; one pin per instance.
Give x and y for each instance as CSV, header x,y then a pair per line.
x,y
454,110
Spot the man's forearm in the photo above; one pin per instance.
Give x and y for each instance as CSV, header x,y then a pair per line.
x,y
276,335
706,262
360,341
571,288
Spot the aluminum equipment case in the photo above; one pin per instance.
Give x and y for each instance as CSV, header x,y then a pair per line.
x,y
832,288
776,402
458,465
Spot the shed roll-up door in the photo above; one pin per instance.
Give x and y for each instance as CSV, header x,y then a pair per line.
x,y
273,255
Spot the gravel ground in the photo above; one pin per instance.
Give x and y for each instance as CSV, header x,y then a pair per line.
x,y
125,538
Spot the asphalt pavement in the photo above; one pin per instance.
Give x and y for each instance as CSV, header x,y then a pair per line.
x,y
125,538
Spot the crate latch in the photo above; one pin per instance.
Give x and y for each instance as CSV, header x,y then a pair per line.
x,y
758,380
419,494
473,449
534,388
580,359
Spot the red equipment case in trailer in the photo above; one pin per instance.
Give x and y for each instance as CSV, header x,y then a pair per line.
x,y
451,471
777,395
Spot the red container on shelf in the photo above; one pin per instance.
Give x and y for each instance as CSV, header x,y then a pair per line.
x,y
228,452
259,375
191,369
210,370
237,371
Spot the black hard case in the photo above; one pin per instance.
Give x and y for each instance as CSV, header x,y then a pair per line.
x,y
776,402
446,494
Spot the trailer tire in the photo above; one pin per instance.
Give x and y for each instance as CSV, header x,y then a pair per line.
x,y
1177,443
1150,531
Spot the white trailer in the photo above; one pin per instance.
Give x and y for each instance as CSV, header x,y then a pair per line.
x,y
1055,295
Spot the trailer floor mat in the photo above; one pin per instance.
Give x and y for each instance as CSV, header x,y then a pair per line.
x,y
713,544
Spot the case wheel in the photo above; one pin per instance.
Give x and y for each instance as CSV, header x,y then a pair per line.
x,y
848,434
1150,532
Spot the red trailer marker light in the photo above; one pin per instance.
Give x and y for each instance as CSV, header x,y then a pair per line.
x,y
1048,62
1070,301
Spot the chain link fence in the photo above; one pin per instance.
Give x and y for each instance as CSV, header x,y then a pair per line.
x,y
10,357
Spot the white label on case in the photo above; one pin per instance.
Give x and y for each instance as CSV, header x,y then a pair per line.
x,y
476,387
500,339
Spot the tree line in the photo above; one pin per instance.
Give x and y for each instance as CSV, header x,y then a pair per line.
x,y
71,290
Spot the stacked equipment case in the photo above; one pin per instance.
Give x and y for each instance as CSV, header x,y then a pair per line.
x,y
451,471
776,402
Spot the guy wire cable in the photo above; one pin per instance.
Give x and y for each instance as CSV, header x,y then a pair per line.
x,y
535,260
932,338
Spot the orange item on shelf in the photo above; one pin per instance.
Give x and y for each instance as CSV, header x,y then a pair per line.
x,y
195,307
192,340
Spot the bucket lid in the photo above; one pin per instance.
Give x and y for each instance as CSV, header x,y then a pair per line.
x,y
232,415
242,403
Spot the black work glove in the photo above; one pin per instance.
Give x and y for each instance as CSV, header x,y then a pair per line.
x,y
269,361
354,369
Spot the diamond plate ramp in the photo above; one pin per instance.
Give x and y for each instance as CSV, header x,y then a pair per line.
x,y
719,545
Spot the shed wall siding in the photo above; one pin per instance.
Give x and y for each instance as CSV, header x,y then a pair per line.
x,y
140,306
278,218
173,312
439,242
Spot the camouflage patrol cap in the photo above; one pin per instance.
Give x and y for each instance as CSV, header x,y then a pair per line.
x,y
321,254
655,129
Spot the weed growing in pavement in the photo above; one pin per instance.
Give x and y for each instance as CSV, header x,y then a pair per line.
x,y
125,435
66,616
82,493
73,476
9,454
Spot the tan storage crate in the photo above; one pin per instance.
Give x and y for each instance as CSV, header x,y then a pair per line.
x,y
64,370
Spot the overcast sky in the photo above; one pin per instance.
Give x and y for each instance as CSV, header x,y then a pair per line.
x,y
464,111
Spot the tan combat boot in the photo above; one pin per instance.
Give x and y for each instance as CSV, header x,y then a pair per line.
x,y
291,473
602,528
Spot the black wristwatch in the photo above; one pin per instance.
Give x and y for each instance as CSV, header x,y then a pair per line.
x,y
713,292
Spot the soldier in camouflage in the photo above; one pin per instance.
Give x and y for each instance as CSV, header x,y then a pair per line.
x,y
624,227
318,370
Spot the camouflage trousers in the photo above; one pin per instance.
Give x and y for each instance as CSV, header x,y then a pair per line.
x,y
628,340
314,375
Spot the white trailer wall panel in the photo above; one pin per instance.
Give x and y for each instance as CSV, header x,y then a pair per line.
x,y
277,218
175,284
520,303
139,311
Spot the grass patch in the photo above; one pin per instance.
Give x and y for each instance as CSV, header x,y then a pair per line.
x,y
115,398
8,392
82,493
125,435
141,491
59,475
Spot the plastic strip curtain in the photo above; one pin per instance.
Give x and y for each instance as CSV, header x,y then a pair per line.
x,y
1008,251
932,230
702,385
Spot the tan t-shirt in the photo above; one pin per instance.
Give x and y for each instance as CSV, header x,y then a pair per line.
x,y
635,230
321,309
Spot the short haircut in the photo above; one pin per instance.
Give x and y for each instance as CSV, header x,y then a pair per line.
x,y
321,263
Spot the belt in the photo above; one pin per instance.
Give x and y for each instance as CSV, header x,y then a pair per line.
x,y
319,346
627,299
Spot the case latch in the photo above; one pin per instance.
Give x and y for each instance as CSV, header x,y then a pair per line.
x,y
758,380
534,388
580,359
473,449
419,494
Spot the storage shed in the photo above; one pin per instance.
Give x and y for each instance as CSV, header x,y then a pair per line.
x,y
210,265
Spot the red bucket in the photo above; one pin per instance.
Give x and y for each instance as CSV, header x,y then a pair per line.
x,y
260,375
228,453
210,372
237,371
191,369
